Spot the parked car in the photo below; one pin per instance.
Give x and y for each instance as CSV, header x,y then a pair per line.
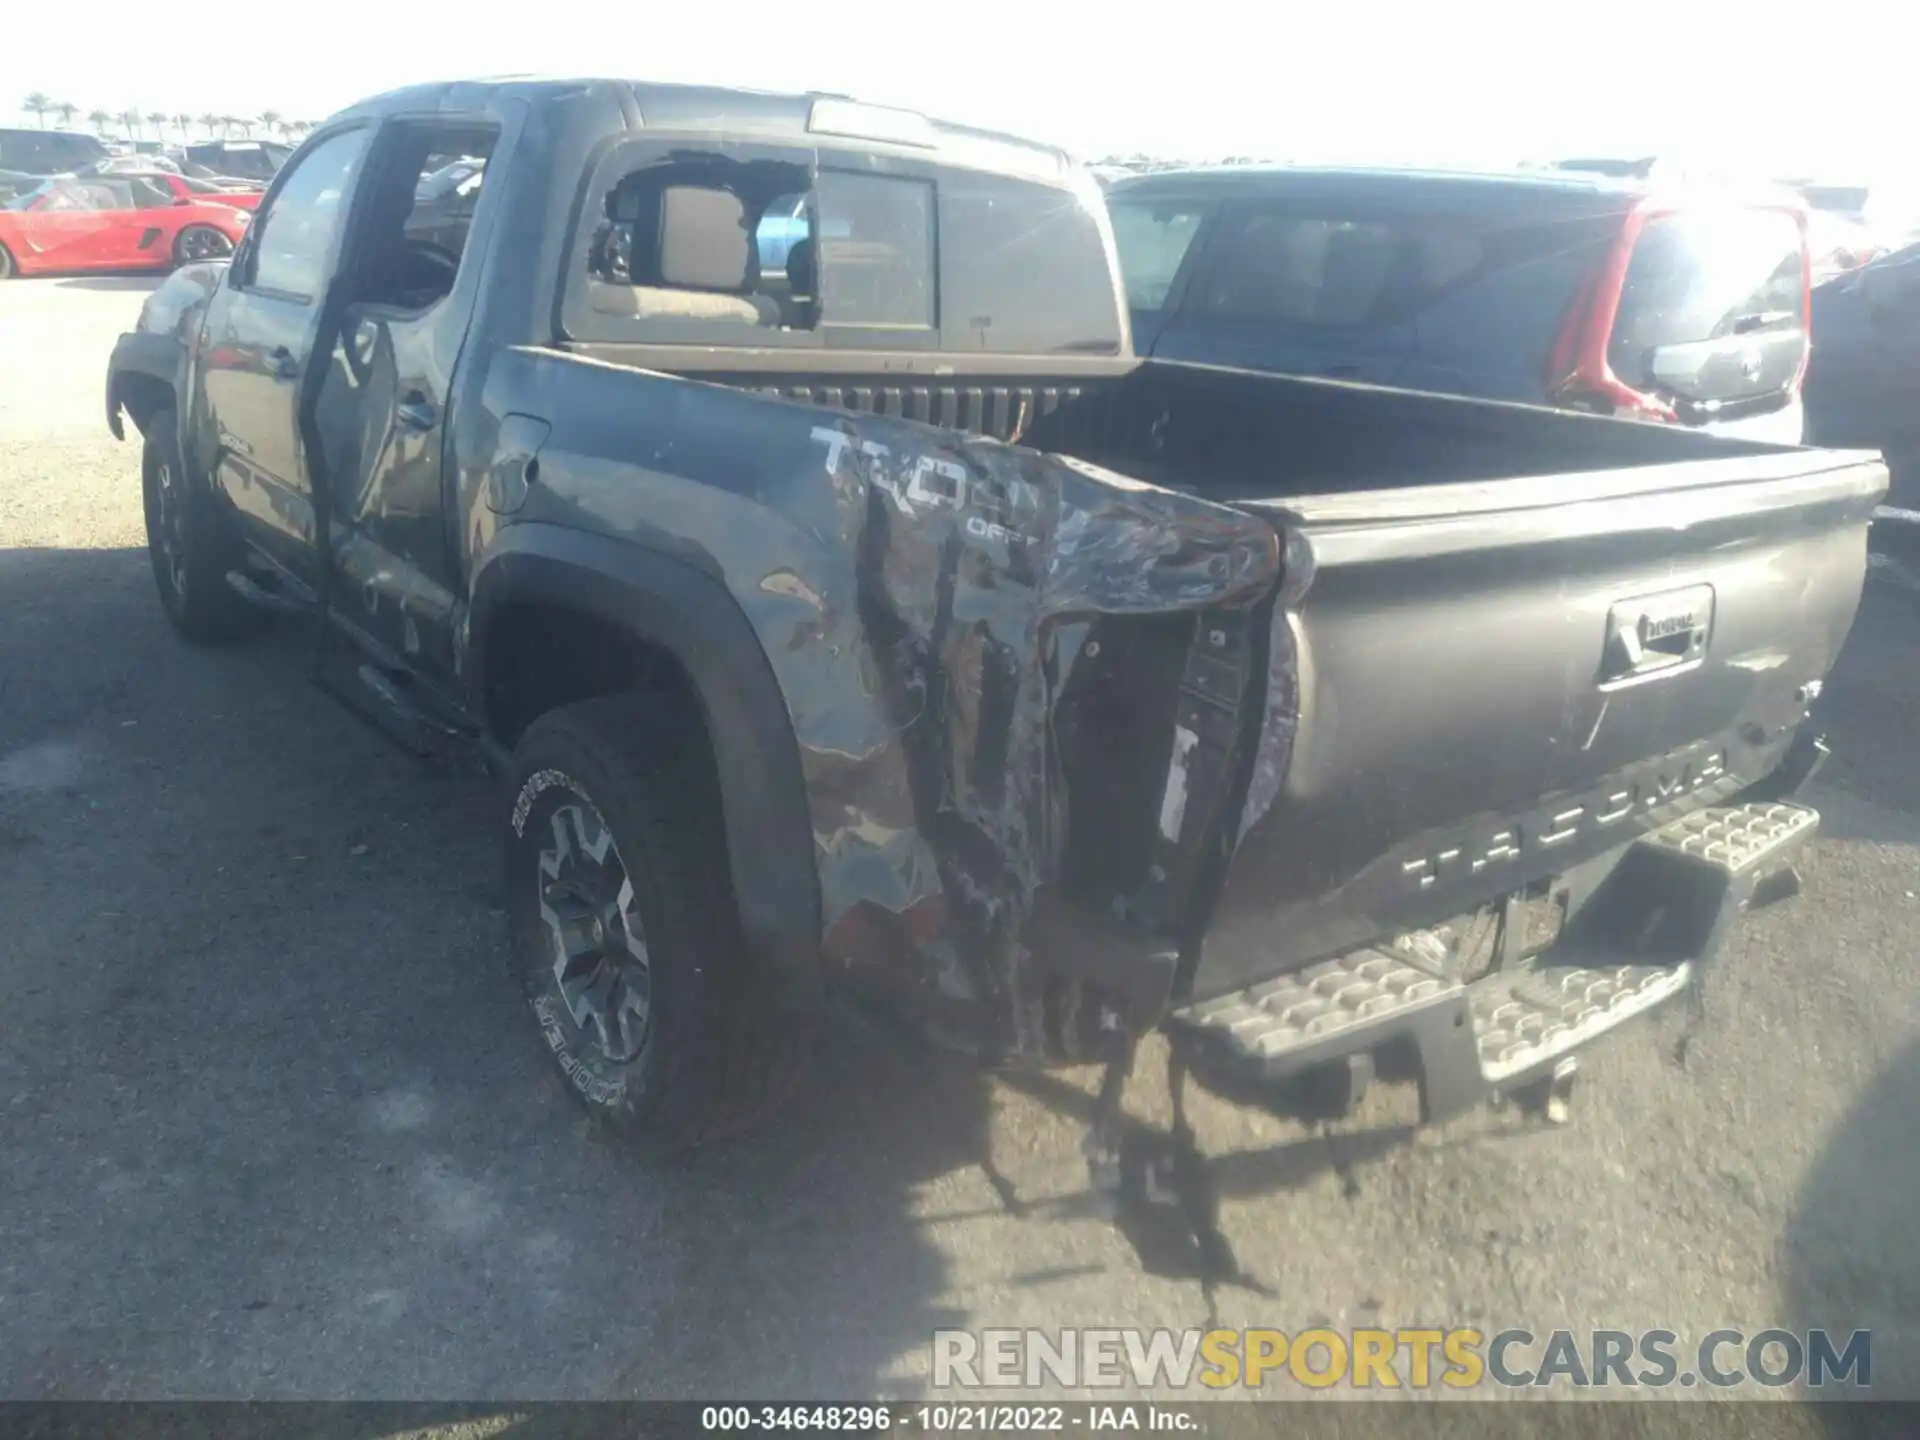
x,y
157,170
1686,306
443,202
244,159
48,152
882,624
240,194
118,222
1864,381
1837,244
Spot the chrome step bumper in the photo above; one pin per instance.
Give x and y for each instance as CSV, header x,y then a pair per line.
x,y
1514,1025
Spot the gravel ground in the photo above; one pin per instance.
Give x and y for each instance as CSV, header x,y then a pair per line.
x,y
274,1123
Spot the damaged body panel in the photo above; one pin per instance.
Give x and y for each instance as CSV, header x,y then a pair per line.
x,y
979,647
1052,694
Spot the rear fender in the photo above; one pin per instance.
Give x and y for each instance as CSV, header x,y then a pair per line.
x,y
670,604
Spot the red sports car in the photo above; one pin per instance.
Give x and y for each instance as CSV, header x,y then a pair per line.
x,y
116,222
186,187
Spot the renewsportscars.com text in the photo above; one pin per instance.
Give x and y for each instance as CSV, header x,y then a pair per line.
x,y
1412,1359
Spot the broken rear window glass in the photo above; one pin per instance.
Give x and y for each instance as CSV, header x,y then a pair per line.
x,y
707,241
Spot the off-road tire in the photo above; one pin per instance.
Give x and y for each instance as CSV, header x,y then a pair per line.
x,y
717,1056
184,521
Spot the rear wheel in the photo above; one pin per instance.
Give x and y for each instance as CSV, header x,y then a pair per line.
x,y
6,263
623,931
200,242
188,542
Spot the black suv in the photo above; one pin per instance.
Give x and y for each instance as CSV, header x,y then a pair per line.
x,y
27,156
1612,296
244,159
48,152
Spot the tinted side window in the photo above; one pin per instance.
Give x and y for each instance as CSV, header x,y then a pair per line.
x,y
1704,276
292,241
1294,269
1493,302
70,152
876,251
1023,269
1152,240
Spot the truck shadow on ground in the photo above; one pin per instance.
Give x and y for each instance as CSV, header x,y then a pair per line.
x,y
1841,1271
111,283
278,1125
1868,707
276,1122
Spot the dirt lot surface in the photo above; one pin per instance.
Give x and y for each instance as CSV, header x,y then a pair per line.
x,y
274,1122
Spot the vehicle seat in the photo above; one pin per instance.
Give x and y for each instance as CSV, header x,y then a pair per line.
x,y
803,282
654,302
709,264
802,272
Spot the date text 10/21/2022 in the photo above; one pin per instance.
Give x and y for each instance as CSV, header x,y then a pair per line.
x,y
983,1418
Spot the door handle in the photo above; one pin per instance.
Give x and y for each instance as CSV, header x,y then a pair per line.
x,y
416,412
283,364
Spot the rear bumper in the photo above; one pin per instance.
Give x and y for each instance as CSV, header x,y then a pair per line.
x,y
1396,1008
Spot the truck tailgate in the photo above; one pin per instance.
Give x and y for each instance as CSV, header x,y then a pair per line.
x,y
1475,687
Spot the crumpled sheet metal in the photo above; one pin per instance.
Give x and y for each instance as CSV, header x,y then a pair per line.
x,y
922,656
922,596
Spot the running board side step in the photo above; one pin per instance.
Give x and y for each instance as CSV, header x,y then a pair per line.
x,y
280,600
1518,1025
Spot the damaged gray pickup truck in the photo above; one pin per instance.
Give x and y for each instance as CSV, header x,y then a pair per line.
x,y
766,485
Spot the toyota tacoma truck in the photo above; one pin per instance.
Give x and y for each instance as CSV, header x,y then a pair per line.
x,y
766,486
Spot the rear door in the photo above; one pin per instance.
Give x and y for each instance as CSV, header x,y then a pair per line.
x,y
381,412
257,344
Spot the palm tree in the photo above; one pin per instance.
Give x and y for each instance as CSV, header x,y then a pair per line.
x,y
158,120
100,120
180,123
210,122
272,120
130,119
244,126
38,105
66,110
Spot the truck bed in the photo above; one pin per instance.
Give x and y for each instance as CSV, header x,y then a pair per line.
x,y
1480,650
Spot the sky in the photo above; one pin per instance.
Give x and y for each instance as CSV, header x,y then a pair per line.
x,y
1778,89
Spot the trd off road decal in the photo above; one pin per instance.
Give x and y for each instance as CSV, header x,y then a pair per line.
x,y
993,507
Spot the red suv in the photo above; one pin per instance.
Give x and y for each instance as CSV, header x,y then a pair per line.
x,y
1620,297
